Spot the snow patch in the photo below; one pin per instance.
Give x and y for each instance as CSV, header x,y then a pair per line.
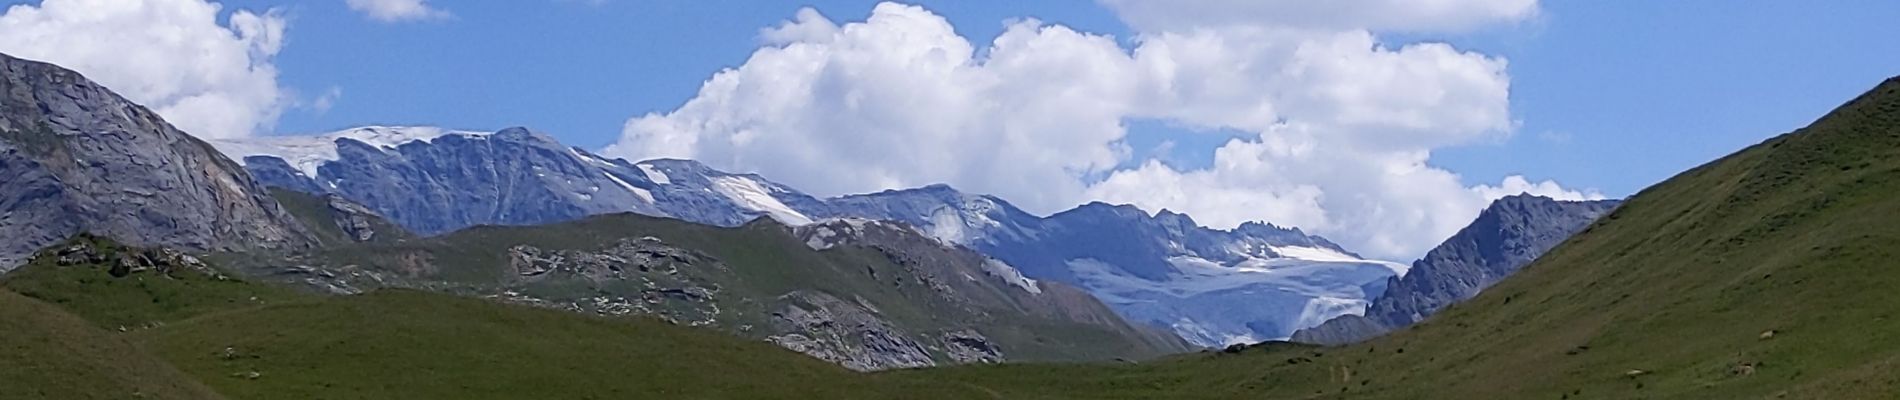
x,y
642,193
654,174
1330,255
307,152
749,194
1213,305
591,159
821,240
1012,275
947,226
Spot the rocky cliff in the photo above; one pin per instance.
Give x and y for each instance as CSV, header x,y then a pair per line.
x,y
1505,237
78,158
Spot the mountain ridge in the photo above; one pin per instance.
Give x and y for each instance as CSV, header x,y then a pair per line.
x,y
80,158
1149,262
1510,233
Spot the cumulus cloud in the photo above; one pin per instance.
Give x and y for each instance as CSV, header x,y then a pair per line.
x,y
397,10
1340,126
210,79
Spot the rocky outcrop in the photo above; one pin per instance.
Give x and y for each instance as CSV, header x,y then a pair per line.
x,y
88,250
641,276
1506,236
835,330
357,222
971,347
79,158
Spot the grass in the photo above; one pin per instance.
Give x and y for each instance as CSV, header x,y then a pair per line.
x,y
1766,274
1673,295
763,262
407,344
394,344
46,353
139,300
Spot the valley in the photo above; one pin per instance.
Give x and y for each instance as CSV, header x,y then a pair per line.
x,y
423,262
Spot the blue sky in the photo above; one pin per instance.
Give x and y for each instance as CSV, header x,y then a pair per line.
x,y
1612,95
1604,97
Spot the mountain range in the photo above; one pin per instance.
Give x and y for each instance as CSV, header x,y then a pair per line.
x,y
1214,287
1763,274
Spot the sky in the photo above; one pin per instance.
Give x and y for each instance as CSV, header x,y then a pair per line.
x,y
1382,124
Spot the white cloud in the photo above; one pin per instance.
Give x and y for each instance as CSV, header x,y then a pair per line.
x,y
1517,184
1332,15
1342,126
324,101
209,79
397,10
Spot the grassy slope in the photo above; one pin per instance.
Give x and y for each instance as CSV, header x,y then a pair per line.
x,y
393,344
47,353
766,262
1797,235
405,344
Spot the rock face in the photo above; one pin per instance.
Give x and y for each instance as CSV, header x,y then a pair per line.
x,y
830,329
78,158
1508,235
357,222
433,180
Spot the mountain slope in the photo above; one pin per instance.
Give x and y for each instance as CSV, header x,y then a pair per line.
x,y
1507,235
79,158
51,354
1159,270
865,294
433,180
250,340
1765,274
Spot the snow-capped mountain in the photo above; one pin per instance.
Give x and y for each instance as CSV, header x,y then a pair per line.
x,y
1212,287
434,180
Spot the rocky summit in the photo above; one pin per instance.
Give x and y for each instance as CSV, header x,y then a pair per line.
x,y
1511,233
79,158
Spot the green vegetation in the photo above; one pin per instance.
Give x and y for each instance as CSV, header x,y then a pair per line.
x,y
1768,273
762,263
134,301
46,353
315,213
393,344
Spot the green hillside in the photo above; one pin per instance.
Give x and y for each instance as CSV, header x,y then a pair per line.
x,y
257,341
742,279
1769,273
46,353
1765,274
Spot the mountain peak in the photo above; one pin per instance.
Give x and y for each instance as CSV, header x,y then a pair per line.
x,y
141,180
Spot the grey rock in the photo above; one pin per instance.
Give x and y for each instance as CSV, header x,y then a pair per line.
x,y
356,221
1505,237
838,331
971,347
79,158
